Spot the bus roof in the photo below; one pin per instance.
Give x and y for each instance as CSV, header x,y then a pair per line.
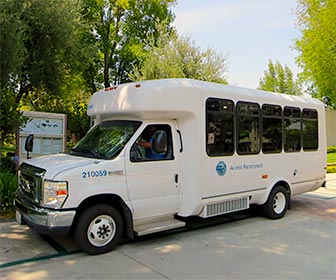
x,y
175,98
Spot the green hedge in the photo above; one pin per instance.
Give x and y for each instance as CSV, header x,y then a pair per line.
x,y
331,149
8,186
331,169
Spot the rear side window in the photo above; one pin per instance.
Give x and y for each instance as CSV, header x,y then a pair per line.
x,y
219,127
310,129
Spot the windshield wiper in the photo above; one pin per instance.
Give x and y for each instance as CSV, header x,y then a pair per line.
x,y
86,152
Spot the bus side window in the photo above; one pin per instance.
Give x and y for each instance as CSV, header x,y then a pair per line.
x,y
248,128
271,129
292,129
310,129
219,127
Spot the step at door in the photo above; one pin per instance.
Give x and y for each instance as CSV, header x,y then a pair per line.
x,y
157,226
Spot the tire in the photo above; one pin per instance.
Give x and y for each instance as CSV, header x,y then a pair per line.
x,y
277,203
99,229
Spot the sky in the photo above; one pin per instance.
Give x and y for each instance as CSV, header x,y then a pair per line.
x,y
248,32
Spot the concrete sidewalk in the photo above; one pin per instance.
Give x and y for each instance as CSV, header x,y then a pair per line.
x,y
299,246
331,181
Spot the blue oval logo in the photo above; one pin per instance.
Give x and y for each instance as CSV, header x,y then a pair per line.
x,y
221,168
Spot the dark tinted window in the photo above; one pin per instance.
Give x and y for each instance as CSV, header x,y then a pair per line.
x,y
309,129
292,129
248,131
272,129
219,127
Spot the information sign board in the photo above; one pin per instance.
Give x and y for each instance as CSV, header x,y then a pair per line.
x,y
49,130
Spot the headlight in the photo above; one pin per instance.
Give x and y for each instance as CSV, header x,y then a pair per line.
x,y
54,193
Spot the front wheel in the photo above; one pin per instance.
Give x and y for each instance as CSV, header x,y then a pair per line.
x,y
277,203
99,229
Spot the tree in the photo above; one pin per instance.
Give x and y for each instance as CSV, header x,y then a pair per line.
x,y
179,57
317,46
10,117
42,48
53,44
119,28
279,79
12,54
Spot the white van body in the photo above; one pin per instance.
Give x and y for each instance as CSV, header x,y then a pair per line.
x,y
156,195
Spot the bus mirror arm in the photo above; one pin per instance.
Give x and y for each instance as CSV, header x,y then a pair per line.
x,y
181,143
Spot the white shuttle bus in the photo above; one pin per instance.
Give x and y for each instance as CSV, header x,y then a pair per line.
x,y
164,150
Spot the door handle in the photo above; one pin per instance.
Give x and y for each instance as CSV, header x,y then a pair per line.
x,y
176,178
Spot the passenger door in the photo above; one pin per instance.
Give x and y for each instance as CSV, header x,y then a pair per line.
x,y
153,183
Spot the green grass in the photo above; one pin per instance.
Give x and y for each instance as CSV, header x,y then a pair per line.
x,y
331,157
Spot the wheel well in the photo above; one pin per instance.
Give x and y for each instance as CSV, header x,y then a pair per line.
x,y
285,184
112,200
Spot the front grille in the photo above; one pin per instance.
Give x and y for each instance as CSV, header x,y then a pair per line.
x,y
30,182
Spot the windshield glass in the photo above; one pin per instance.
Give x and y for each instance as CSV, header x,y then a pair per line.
x,y
105,140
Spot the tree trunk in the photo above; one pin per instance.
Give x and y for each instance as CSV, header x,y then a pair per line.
x,y
106,70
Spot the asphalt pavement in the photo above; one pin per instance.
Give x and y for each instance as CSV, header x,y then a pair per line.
x,y
242,245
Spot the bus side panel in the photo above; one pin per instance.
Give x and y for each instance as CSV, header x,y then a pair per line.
x,y
232,175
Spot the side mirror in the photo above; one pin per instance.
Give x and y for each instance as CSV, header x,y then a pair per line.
x,y
29,144
159,142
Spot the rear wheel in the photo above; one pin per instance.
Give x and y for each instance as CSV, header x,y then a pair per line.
x,y
277,203
99,229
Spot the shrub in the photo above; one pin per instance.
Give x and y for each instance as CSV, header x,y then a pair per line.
x,y
8,163
8,186
331,169
331,149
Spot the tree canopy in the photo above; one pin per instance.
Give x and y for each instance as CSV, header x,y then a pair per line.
x,y
280,79
317,46
119,28
46,44
40,50
179,57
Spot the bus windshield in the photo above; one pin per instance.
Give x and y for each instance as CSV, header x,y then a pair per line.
x,y
105,140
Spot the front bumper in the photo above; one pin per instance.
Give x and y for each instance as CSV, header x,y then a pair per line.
x,y
44,221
